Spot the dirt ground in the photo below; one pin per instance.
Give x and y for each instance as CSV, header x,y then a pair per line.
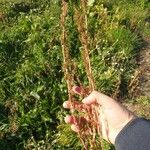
x,y
143,109
144,61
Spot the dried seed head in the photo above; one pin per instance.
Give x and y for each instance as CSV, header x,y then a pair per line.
x,y
14,127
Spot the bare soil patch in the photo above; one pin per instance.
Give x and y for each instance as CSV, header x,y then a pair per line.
x,y
144,62
142,109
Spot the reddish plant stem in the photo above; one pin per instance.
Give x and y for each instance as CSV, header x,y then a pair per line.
x,y
65,51
82,26
81,22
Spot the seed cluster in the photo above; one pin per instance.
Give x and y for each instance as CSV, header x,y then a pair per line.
x,y
89,134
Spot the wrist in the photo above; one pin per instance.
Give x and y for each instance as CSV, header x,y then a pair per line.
x,y
118,130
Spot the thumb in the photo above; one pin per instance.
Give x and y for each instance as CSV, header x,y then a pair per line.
x,y
99,98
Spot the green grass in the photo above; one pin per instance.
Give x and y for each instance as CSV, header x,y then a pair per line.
x,y
32,85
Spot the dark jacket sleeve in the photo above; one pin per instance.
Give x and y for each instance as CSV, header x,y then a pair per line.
x,y
134,136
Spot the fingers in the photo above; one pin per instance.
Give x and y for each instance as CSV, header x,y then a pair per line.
x,y
112,114
94,97
73,121
70,119
76,105
76,123
75,128
66,105
80,90
77,89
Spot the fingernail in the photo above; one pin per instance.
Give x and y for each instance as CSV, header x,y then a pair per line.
x,y
66,105
68,119
76,89
75,128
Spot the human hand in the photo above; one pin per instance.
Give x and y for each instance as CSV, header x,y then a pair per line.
x,y
113,116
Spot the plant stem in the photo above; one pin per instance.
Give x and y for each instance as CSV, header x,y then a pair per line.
x,y
65,50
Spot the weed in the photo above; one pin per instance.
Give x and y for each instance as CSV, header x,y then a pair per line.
x,y
32,83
